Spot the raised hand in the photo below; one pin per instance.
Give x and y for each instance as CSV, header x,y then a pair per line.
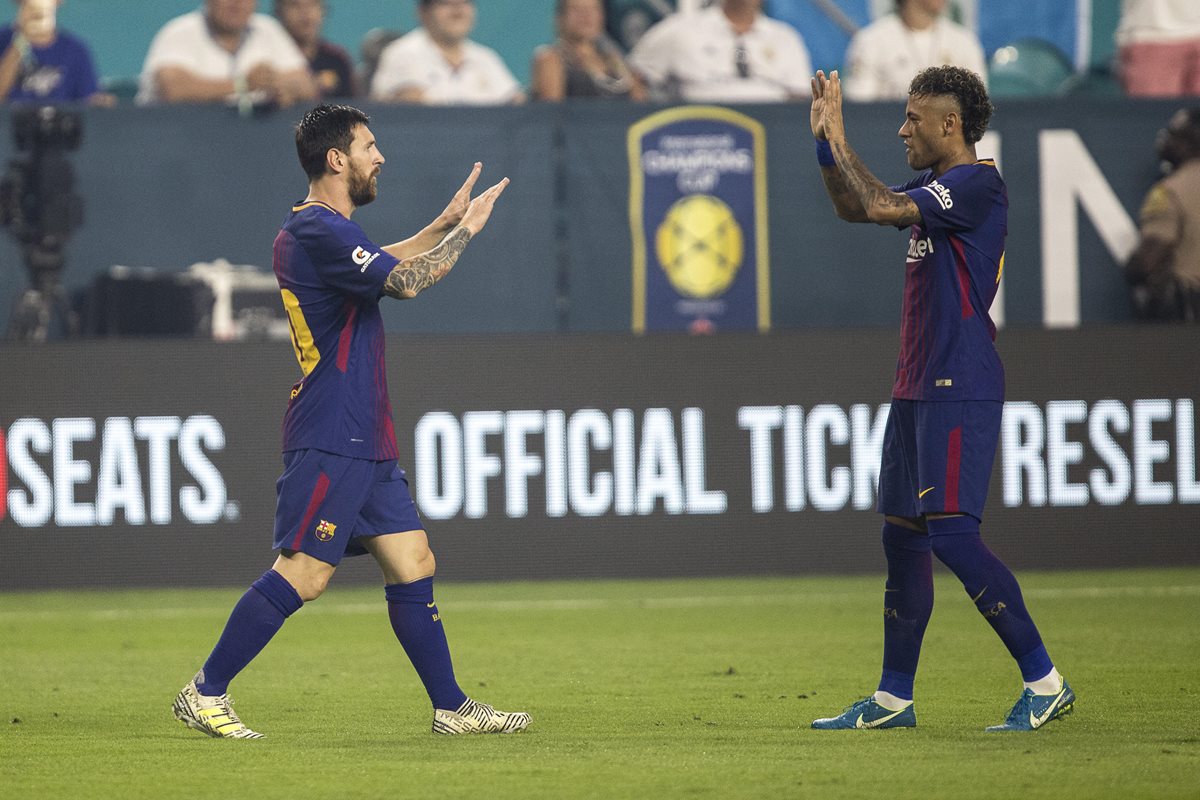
x,y
816,116
459,203
480,208
831,116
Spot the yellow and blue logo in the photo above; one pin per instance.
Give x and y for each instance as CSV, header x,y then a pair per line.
x,y
699,245
325,530
698,219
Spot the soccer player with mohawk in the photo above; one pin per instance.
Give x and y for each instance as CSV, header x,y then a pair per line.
x,y
948,395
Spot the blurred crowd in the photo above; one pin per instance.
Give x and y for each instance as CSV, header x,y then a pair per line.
x,y
719,51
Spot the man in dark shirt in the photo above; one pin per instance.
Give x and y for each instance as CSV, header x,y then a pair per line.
x,y
330,64
41,63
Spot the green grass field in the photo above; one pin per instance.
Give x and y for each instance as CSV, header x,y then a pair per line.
x,y
700,688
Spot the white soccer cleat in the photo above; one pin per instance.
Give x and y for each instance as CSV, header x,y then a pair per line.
x,y
211,715
472,717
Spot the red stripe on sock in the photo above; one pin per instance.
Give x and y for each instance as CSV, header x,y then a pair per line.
x,y
953,460
314,502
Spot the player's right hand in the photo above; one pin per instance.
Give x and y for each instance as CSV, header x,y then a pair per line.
x,y
816,117
480,208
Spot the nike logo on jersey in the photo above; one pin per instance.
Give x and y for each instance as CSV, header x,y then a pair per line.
x,y
363,258
924,492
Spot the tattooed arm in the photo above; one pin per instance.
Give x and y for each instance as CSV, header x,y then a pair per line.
x,y
879,203
416,274
857,195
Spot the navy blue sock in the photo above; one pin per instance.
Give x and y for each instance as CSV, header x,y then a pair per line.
x,y
257,616
907,606
418,626
993,589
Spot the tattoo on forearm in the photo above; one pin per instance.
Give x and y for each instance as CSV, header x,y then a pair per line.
x,y
844,200
414,275
869,190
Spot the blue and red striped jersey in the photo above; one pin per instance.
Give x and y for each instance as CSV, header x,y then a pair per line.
x,y
955,260
331,277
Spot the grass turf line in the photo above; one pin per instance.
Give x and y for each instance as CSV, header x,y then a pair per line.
x,y
700,688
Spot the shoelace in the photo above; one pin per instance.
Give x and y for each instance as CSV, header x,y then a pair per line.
x,y
1022,709
226,703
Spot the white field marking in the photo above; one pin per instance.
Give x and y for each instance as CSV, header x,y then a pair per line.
x,y
582,604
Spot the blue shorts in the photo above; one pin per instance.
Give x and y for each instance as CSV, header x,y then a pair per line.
x,y
328,503
937,457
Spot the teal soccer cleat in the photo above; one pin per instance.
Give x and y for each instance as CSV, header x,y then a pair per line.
x,y
1032,711
866,713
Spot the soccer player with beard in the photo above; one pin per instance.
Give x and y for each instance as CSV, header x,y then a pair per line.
x,y
341,492
948,395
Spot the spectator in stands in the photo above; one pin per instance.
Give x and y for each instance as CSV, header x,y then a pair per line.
x,y
330,64
583,62
438,64
225,52
727,53
1158,48
1164,270
41,63
884,56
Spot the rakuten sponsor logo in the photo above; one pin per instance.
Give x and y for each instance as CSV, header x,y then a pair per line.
x,y
81,471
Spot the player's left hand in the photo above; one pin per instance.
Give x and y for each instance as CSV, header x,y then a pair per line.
x,y
453,213
832,122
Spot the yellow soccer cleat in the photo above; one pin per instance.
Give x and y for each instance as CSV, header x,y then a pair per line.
x,y
472,717
211,715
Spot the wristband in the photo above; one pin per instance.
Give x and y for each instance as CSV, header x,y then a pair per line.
x,y
825,153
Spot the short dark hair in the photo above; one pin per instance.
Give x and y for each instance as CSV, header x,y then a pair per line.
x,y
1189,133
964,86
323,129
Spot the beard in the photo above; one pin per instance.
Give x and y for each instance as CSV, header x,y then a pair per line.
x,y
363,188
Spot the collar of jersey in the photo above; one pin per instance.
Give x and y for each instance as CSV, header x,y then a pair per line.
x,y
310,203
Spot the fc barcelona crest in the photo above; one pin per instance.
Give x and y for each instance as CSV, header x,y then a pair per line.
x,y
325,530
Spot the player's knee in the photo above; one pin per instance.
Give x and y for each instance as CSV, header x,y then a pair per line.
x,y
424,562
312,586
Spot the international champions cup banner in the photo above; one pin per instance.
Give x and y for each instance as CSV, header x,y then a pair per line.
x,y
698,215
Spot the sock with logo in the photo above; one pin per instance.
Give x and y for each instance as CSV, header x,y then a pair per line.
x,y
255,619
418,626
993,589
907,606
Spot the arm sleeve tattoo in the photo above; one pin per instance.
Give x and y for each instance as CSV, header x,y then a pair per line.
x,y
845,202
414,275
880,203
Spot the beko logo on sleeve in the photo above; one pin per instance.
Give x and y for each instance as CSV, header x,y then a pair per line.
x,y
363,258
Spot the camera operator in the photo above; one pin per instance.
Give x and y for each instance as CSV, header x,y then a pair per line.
x,y
42,63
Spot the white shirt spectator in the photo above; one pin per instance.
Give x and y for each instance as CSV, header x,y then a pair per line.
x,y
185,42
1158,21
695,56
414,61
886,55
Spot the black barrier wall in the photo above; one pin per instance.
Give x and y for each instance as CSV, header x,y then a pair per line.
x,y
549,456
168,187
